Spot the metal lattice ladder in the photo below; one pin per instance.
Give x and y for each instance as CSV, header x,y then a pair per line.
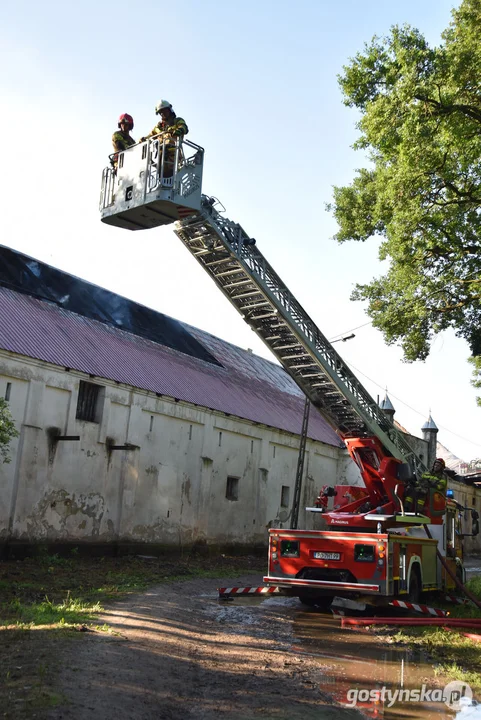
x,y
245,277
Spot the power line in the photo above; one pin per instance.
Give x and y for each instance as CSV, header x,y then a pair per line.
x,y
352,330
461,437
411,408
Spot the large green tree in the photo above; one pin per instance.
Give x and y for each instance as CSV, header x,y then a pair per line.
x,y
420,125
7,430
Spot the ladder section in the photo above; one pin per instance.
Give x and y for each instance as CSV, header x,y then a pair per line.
x,y
240,270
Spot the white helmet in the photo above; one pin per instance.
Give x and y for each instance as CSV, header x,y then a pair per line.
x,y
161,105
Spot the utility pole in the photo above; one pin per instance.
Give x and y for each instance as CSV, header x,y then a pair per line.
x,y
300,466
302,453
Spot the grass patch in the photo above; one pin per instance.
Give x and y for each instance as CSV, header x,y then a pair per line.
x,y
456,656
68,612
456,672
474,585
58,591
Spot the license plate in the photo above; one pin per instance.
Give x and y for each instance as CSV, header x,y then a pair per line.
x,y
327,555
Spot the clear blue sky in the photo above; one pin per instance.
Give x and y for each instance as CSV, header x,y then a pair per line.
x,y
256,83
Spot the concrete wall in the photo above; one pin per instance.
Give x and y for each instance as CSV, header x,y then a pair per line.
x,y
167,487
420,447
470,497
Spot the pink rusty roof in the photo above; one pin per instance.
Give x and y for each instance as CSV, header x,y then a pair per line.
x,y
244,384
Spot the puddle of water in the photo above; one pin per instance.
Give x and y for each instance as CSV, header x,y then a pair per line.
x,y
473,570
355,667
473,566
245,616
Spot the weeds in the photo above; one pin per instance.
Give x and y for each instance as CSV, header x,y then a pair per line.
x,y
474,585
455,655
65,591
68,612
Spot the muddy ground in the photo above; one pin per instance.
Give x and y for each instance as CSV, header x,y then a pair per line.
x,y
181,654
176,652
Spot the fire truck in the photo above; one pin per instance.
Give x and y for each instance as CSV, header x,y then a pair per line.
x,y
370,546
366,565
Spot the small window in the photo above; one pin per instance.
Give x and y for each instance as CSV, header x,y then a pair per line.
x,y
88,402
220,440
232,488
190,432
8,390
151,427
285,490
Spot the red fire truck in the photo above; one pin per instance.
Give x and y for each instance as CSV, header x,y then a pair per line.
x,y
373,567
371,550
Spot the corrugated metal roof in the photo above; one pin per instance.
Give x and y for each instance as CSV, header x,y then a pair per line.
x,y
245,362
245,385
37,279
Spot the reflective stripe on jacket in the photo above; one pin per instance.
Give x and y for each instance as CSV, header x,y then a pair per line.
x,y
121,141
436,481
177,127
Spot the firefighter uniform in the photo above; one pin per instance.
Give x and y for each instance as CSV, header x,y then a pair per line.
x,y
176,127
171,127
436,479
122,139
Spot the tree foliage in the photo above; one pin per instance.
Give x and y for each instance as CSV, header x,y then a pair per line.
x,y
476,362
420,124
7,430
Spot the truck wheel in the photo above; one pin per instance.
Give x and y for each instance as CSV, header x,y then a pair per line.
x,y
323,603
414,586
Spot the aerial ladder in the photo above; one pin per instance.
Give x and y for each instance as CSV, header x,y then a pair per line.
x,y
139,195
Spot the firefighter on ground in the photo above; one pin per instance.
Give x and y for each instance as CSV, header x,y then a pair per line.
x,y
417,492
172,127
122,139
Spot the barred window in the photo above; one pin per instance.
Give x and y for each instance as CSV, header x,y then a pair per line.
x,y
88,402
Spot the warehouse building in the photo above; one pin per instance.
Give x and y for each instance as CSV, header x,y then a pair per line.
x,y
136,428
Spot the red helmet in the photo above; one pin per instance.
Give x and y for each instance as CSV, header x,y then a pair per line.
x,y
125,117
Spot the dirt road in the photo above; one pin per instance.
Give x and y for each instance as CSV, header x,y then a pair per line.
x,y
178,653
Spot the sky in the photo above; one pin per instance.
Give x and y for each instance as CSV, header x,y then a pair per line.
x,y
257,85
